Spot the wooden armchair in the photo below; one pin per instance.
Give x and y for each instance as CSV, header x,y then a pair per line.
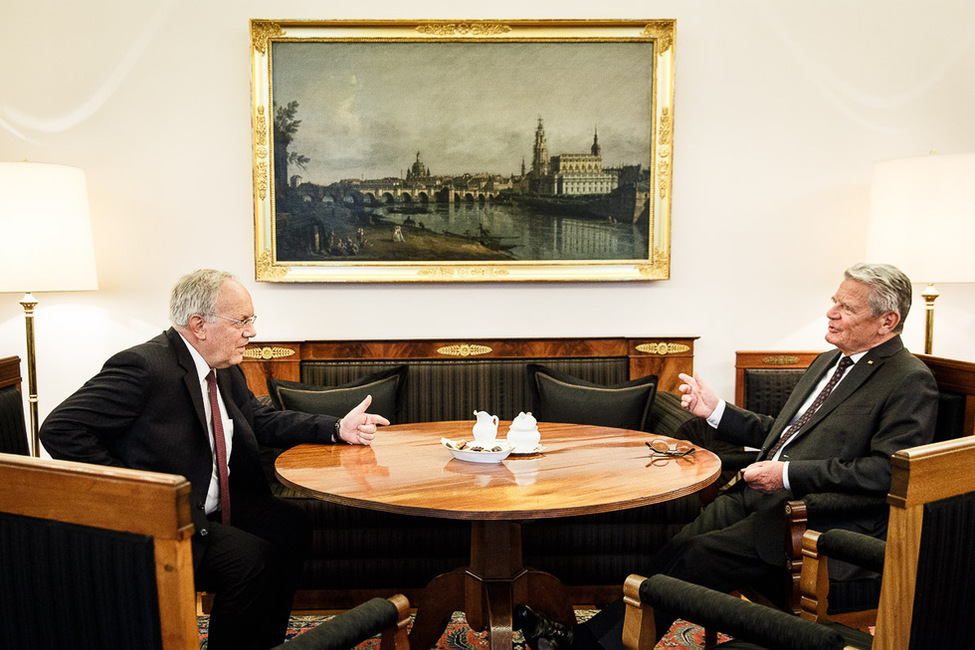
x,y
927,597
99,557
763,382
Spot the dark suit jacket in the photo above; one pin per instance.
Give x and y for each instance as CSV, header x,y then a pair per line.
x,y
887,402
144,410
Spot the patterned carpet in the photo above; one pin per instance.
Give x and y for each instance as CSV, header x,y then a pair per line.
x,y
682,636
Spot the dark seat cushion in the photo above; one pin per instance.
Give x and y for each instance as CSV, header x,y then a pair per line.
x,y
385,386
560,397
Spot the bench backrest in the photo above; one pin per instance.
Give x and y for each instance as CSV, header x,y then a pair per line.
x,y
448,378
438,390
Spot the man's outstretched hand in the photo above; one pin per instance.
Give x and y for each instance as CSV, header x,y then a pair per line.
x,y
359,427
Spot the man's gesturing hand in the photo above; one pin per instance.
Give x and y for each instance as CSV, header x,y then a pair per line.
x,y
359,427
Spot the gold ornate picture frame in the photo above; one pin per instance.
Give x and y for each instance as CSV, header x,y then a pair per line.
x,y
440,151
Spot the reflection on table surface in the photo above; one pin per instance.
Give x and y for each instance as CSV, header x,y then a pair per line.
x,y
582,469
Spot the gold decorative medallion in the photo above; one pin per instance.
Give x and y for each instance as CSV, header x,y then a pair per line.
x,y
268,352
780,360
662,348
463,350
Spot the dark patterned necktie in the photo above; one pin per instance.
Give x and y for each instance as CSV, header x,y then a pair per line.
x,y
845,363
220,445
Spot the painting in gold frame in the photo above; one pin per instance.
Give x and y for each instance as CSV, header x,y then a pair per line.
x,y
447,151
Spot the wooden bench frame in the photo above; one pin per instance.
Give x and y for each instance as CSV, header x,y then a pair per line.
x,y
665,357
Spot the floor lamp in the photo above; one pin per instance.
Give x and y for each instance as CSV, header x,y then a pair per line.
x,y
45,245
922,220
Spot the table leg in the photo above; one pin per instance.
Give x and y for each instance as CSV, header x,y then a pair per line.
x,y
498,581
441,598
489,589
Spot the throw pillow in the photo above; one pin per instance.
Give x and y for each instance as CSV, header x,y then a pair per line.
x,y
560,397
385,386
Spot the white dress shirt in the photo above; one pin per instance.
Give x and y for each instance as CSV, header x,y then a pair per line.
x,y
715,418
203,369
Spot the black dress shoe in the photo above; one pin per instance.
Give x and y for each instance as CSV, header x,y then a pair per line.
x,y
536,627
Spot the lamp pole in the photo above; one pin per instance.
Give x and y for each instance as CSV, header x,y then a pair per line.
x,y
930,295
28,304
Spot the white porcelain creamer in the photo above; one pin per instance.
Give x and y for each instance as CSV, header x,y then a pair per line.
x,y
486,427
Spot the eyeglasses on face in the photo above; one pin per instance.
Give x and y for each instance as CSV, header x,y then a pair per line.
x,y
241,324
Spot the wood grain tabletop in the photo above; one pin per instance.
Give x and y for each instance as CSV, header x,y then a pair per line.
x,y
581,469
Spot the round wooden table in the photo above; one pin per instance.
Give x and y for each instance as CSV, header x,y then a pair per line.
x,y
581,470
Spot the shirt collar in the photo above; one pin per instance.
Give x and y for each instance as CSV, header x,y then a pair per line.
x,y
202,367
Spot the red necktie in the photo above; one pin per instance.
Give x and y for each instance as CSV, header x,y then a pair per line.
x,y
845,363
220,444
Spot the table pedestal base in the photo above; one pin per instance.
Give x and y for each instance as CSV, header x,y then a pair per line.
x,y
489,589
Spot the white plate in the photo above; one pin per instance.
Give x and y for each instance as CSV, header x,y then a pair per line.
x,y
472,456
537,450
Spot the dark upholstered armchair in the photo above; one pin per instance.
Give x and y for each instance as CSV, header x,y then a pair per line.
x,y
927,599
13,432
99,557
763,382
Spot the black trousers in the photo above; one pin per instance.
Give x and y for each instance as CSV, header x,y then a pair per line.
x,y
252,568
737,541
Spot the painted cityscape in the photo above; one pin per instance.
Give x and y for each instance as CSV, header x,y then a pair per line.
x,y
454,152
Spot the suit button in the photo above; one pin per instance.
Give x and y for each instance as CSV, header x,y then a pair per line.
x,y
203,532
199,506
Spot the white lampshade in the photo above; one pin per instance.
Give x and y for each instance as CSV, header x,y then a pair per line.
x,y
45,229
922,217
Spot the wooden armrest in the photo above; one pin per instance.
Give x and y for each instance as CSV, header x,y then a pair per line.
x,y
389,616
819,507
713,609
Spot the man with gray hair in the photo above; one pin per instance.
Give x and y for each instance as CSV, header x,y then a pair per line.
x,y
852,409
180,404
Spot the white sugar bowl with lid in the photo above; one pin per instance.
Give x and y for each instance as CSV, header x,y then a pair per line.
x,y
523,433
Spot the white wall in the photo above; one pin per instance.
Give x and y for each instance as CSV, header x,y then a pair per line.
x,y
781,110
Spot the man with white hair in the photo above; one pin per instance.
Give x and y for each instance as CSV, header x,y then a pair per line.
x,y
180,404
852,409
